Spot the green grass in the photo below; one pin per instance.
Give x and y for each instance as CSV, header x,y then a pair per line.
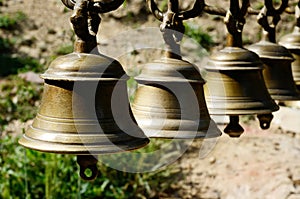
x,y
17,100
30,174
11,21
195,32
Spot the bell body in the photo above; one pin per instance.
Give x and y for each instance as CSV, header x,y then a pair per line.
x,y
278,73
235,85
169,101
292,43
84,109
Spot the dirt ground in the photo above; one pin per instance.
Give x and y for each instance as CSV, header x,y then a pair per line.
x,y
260,164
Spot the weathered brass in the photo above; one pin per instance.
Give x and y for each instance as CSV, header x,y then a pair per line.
x,y
292,43
84,109
276,58
235,86
169,101
277,74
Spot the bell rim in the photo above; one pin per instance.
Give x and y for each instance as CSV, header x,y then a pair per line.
x,y
79,149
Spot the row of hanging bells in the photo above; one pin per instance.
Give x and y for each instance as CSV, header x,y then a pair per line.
x,y
292,43
235,83
85,108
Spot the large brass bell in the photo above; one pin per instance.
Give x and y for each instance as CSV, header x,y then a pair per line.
x,y
169,101
277,74
84,111
235,86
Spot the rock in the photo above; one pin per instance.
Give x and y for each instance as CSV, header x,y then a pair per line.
x,y
212,160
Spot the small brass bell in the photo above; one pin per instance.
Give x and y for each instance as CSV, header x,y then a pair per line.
x,y
276,58
84,109
292,43
277,74
169,101
235,86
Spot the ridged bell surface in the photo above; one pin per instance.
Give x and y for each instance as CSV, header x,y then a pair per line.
x,y
292,43
278,73
235,85
169,101
84,109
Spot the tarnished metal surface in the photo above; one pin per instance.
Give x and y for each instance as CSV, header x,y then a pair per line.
x,y
75,119
276,58
85,108
169,102
292,43
237,87
277,73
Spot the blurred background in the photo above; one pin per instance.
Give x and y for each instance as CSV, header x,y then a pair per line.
x,y
260,164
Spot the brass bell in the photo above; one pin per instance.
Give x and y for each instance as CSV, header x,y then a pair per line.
x,y
84,110
235,86
276,58
278,73
292,43
169,101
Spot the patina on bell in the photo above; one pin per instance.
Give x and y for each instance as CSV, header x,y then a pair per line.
x,y
278,73
84,110
292,43
169,101
235,86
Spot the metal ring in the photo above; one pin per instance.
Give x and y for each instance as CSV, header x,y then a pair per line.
x,y
94,172
69,3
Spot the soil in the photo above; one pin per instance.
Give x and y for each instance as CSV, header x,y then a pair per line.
x,y
259,164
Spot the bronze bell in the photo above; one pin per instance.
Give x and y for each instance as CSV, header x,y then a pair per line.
x,y
84,110
292,43
169,101
277,74
235,86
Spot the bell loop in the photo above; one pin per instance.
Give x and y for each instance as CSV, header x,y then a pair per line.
x,y
87,163
265,120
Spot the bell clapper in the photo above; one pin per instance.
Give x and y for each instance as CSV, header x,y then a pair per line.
x,y
265,120
88,167
234,129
